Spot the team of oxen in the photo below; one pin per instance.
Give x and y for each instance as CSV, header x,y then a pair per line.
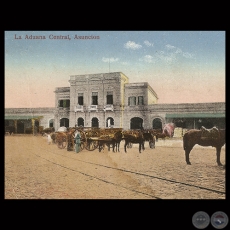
x,y
205,137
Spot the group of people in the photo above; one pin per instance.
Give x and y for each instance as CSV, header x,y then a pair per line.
x,y
77,140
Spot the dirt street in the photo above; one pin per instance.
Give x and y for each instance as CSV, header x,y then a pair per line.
x,y
36,170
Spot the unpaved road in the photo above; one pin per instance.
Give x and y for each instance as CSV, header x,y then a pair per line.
x,y
36,170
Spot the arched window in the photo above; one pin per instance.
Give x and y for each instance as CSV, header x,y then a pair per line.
x,y
51,123
136,123
95,122
80,122
157,123
64,122
109,122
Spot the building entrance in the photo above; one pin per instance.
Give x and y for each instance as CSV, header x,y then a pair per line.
x,y
157,123
136,123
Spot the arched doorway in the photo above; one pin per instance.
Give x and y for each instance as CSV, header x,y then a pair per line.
x,y
64,122
36,126
51,123
157,123
20,127
80,122
109,122
136,123
95,122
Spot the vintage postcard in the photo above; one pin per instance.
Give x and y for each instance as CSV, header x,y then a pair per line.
x,y
115,115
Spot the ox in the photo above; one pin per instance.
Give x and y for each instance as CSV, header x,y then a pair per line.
x,y
134,136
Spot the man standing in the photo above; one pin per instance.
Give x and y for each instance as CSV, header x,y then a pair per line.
x,y
77,141
49,139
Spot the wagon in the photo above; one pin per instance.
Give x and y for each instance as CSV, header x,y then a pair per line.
x,y
87,138
90,137
61,139
107,136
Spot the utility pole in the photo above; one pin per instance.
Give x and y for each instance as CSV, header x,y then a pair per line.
x,y
109,65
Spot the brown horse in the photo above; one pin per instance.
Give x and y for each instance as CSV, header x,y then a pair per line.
x,y
148,136
194,136
110,139
135,137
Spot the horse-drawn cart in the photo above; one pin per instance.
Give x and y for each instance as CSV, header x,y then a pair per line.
x,y
91,137
61,137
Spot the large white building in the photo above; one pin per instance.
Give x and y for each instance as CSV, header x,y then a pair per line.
x,y
108,99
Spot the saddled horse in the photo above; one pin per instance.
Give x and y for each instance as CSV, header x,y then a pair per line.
x,y
212,137
135,137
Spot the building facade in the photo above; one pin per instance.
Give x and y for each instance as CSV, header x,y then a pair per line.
x,y
109,100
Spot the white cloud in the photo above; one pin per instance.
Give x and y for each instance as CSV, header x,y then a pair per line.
x,y
147,43
132,45
188,55
169,47
148,59
178,51
110,59
124,63
167,57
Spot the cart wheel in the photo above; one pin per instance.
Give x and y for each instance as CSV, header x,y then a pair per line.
x,y
91,145
82,145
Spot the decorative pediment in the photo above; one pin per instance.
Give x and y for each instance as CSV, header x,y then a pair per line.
x,y
95,79
80,89
110,87
95,88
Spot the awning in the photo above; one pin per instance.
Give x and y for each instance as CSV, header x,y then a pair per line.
x,y
195,115
22,117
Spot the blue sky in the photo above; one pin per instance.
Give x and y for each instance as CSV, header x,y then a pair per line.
x,y
181,66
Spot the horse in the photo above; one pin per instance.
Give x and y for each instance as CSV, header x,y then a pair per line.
x,y
110,139
195,136
134,136
61,138
47,130
53,137
148,136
